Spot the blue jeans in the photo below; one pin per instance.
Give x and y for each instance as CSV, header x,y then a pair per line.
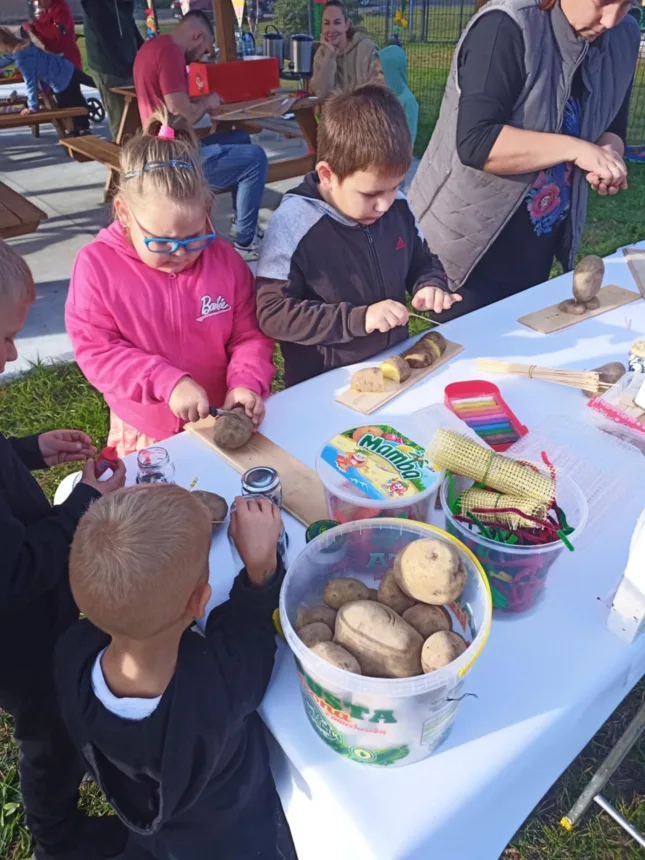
x,y
232,162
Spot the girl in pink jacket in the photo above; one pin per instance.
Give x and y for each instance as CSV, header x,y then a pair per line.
x,y
161,313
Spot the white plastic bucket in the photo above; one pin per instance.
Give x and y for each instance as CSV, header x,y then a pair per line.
x,y
379,721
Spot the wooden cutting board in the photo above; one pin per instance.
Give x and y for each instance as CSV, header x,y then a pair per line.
x,y
368,402
636,262
552,319
302,491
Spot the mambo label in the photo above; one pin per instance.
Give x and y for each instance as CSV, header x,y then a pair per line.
x,y
350,709
380,462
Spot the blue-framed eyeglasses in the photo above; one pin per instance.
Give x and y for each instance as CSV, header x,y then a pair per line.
x,y
167,245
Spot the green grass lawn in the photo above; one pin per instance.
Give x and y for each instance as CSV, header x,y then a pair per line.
x,y
52,396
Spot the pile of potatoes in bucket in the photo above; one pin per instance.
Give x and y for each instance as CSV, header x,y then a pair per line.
x,y
399,631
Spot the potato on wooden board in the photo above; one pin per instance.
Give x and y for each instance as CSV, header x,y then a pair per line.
x,y
368,380
419,355
389,594
232,430
587,278
431,571
343,590
436,342
440,649
396,368
335,654
320,612
217,506
427,619
571,306
384,644
312,634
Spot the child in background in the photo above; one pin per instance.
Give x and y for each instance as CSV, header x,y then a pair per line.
x,y
165,716
58,73
343,249
161,313
36,607
54,27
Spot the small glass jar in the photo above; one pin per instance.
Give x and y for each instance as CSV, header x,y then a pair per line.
x,y
155,467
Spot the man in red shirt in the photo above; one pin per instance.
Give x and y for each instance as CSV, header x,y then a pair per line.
x,y
230,160
54,26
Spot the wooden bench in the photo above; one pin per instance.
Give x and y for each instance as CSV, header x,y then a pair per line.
x,y
92,148
288,128
17,215
55,117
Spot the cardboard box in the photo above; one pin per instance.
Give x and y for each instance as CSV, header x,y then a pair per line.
x,y
240,81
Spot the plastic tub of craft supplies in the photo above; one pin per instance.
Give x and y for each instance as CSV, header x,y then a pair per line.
x,y
376,471
517,573
384,722
621,410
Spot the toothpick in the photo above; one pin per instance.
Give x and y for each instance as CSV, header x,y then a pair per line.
x,y
425,319
628,323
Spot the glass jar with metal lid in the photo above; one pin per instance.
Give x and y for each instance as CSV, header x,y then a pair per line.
x,y
263,481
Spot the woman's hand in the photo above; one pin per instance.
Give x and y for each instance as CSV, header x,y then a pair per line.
x,y
603,187
251,402
65,446
604,166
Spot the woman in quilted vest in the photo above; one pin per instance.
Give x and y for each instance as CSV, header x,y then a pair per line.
x,y
534,114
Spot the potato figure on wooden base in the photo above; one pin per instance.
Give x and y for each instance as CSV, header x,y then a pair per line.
x,y
587,281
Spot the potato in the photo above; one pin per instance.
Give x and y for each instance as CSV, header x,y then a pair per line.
x,y
373,594
427,620
389,594
609,373
217,507
396,369
436,342
431,571
232,430
384,644
312,634
343,590
335,654
311,614
440,649
370,379
419,355
587,279
571,306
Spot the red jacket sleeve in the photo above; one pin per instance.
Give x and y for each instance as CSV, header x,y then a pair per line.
x,y
53,25
112,364
250,353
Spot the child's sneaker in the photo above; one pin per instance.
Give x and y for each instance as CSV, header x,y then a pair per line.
x,y
249,253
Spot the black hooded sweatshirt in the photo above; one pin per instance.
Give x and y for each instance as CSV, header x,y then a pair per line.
x,y
36,603
318,272
192,780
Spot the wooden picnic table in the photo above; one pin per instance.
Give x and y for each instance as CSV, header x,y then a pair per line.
x,y
305,125
15,120
17,215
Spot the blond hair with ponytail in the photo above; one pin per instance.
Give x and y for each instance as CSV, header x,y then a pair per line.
x,y
163,161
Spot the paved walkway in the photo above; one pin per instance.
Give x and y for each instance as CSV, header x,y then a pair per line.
x,y
72,196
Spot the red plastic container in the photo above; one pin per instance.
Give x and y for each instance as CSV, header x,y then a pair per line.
x,y
480,405
239,81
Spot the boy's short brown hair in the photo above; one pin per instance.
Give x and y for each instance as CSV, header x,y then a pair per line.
x,y
137,556
16,281
364,129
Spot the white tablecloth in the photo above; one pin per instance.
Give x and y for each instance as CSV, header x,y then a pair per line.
x,y
545,682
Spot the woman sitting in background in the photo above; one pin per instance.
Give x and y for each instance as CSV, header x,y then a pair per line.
x,y
347,57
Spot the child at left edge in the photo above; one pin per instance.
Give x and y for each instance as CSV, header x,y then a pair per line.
x,y
160,311
36,65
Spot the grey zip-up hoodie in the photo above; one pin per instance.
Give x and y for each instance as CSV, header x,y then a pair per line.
x,y
318,272
464,209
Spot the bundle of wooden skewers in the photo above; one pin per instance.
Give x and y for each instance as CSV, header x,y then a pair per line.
x,y
590,381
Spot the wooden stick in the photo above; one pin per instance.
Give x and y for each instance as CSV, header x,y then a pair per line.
x,y
589,380
425,319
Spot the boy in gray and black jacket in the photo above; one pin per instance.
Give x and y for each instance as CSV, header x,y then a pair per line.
x,y
343,249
